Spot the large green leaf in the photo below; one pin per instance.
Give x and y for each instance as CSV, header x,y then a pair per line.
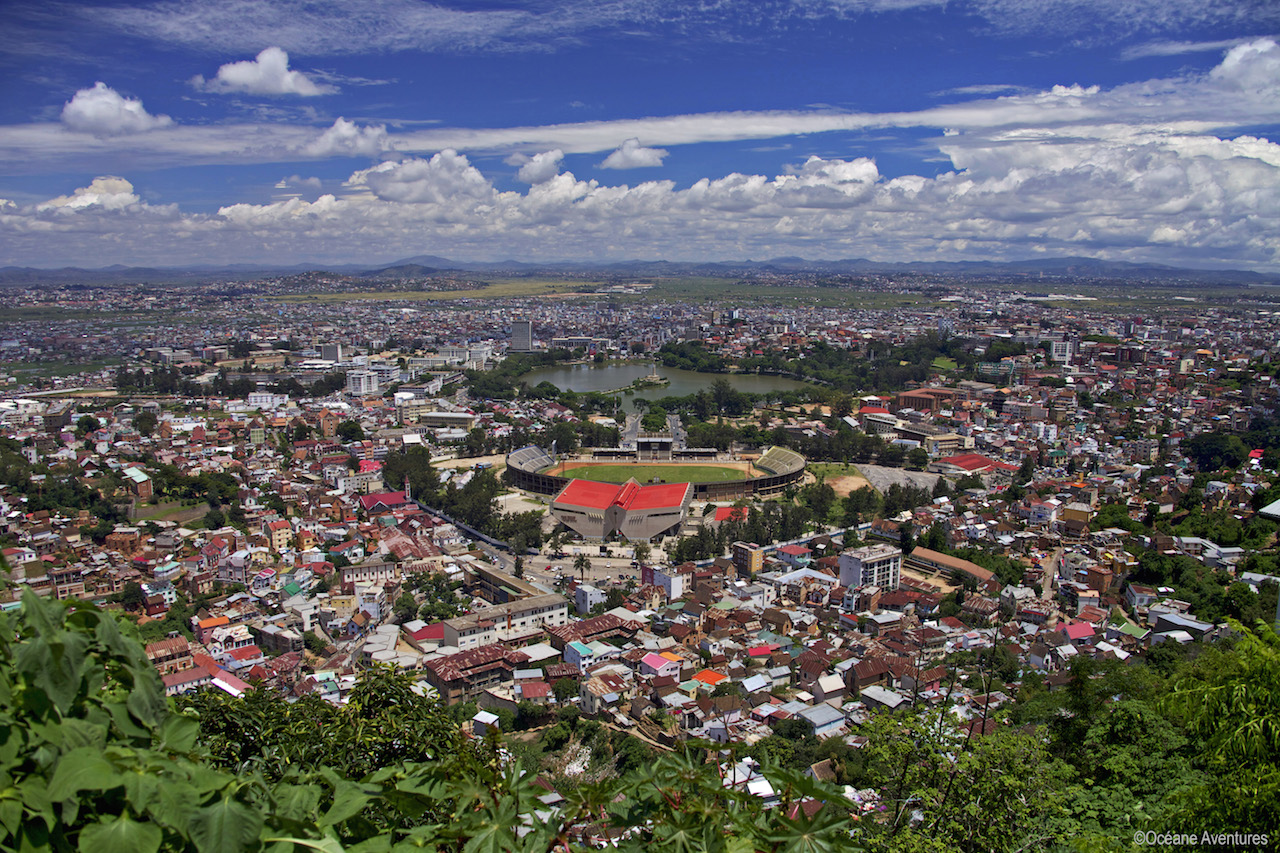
x,y
297,802
147,702
349,799
82,769
179,734
54,663
120,835
324,845
226,826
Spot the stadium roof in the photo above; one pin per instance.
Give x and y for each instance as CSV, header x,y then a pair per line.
x,y
630,495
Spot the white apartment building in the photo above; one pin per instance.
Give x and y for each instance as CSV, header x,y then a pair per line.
x,y
871,565
504,621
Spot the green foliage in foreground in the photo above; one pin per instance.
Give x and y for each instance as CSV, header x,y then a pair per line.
x,y
94,758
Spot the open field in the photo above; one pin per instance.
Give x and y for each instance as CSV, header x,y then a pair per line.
x,y
842,477
496,289
1086,296
676,473
56,366
752,292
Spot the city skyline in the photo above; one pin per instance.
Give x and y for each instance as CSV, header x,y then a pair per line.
x,y
166,134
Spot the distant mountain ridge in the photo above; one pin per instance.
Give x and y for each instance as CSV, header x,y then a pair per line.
x,y
432,265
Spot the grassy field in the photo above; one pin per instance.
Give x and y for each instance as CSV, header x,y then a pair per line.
x,y
944,363
832,469
645,473
496,289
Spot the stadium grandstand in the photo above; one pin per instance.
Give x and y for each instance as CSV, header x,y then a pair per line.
x,y
529,468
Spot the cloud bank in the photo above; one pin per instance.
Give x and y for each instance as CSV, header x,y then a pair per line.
x,y
1163,170
361,26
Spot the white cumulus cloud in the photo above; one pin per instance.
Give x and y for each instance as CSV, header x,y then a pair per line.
x,y
268,74
348,139
447,179
105,112
105,193
539,168
632,155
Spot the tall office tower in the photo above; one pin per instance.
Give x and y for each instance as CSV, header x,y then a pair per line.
x,y
521,336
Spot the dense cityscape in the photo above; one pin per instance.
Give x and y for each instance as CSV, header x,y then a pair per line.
x,y
670,427
982,506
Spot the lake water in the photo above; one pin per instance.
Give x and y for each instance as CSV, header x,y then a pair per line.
x,y
605,377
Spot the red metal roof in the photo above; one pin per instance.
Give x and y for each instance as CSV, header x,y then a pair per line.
x,y
629,495
655,497
588,493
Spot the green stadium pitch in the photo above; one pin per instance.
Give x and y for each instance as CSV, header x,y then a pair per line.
x,y
646,472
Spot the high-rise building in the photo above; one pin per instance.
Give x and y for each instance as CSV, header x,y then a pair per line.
x,y
521,336
331,352
871,565
362,382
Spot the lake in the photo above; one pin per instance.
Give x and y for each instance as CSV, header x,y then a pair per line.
x,y
605,377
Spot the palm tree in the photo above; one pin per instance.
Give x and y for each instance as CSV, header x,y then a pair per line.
x,y
583,565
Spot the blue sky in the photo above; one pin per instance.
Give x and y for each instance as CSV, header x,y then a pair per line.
x,y
231,131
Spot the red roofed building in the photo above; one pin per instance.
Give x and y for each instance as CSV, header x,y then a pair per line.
x,y
464,676
383,501
635,512
724,513
971,463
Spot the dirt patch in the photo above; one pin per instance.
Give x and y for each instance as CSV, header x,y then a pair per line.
x,y
499,461
846,485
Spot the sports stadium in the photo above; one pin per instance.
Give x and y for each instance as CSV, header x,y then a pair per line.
x,y
712,476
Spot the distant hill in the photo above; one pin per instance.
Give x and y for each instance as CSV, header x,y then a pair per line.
x,y
432,265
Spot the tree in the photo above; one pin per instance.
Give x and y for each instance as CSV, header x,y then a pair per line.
x,y
145,423
1233,713
642,551
314,644
350,431
132,597
406,607
86,425
1211,451
820,498
907,539
97,759
582,565
565,689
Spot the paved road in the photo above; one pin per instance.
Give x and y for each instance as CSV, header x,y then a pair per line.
x,y
1050,571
